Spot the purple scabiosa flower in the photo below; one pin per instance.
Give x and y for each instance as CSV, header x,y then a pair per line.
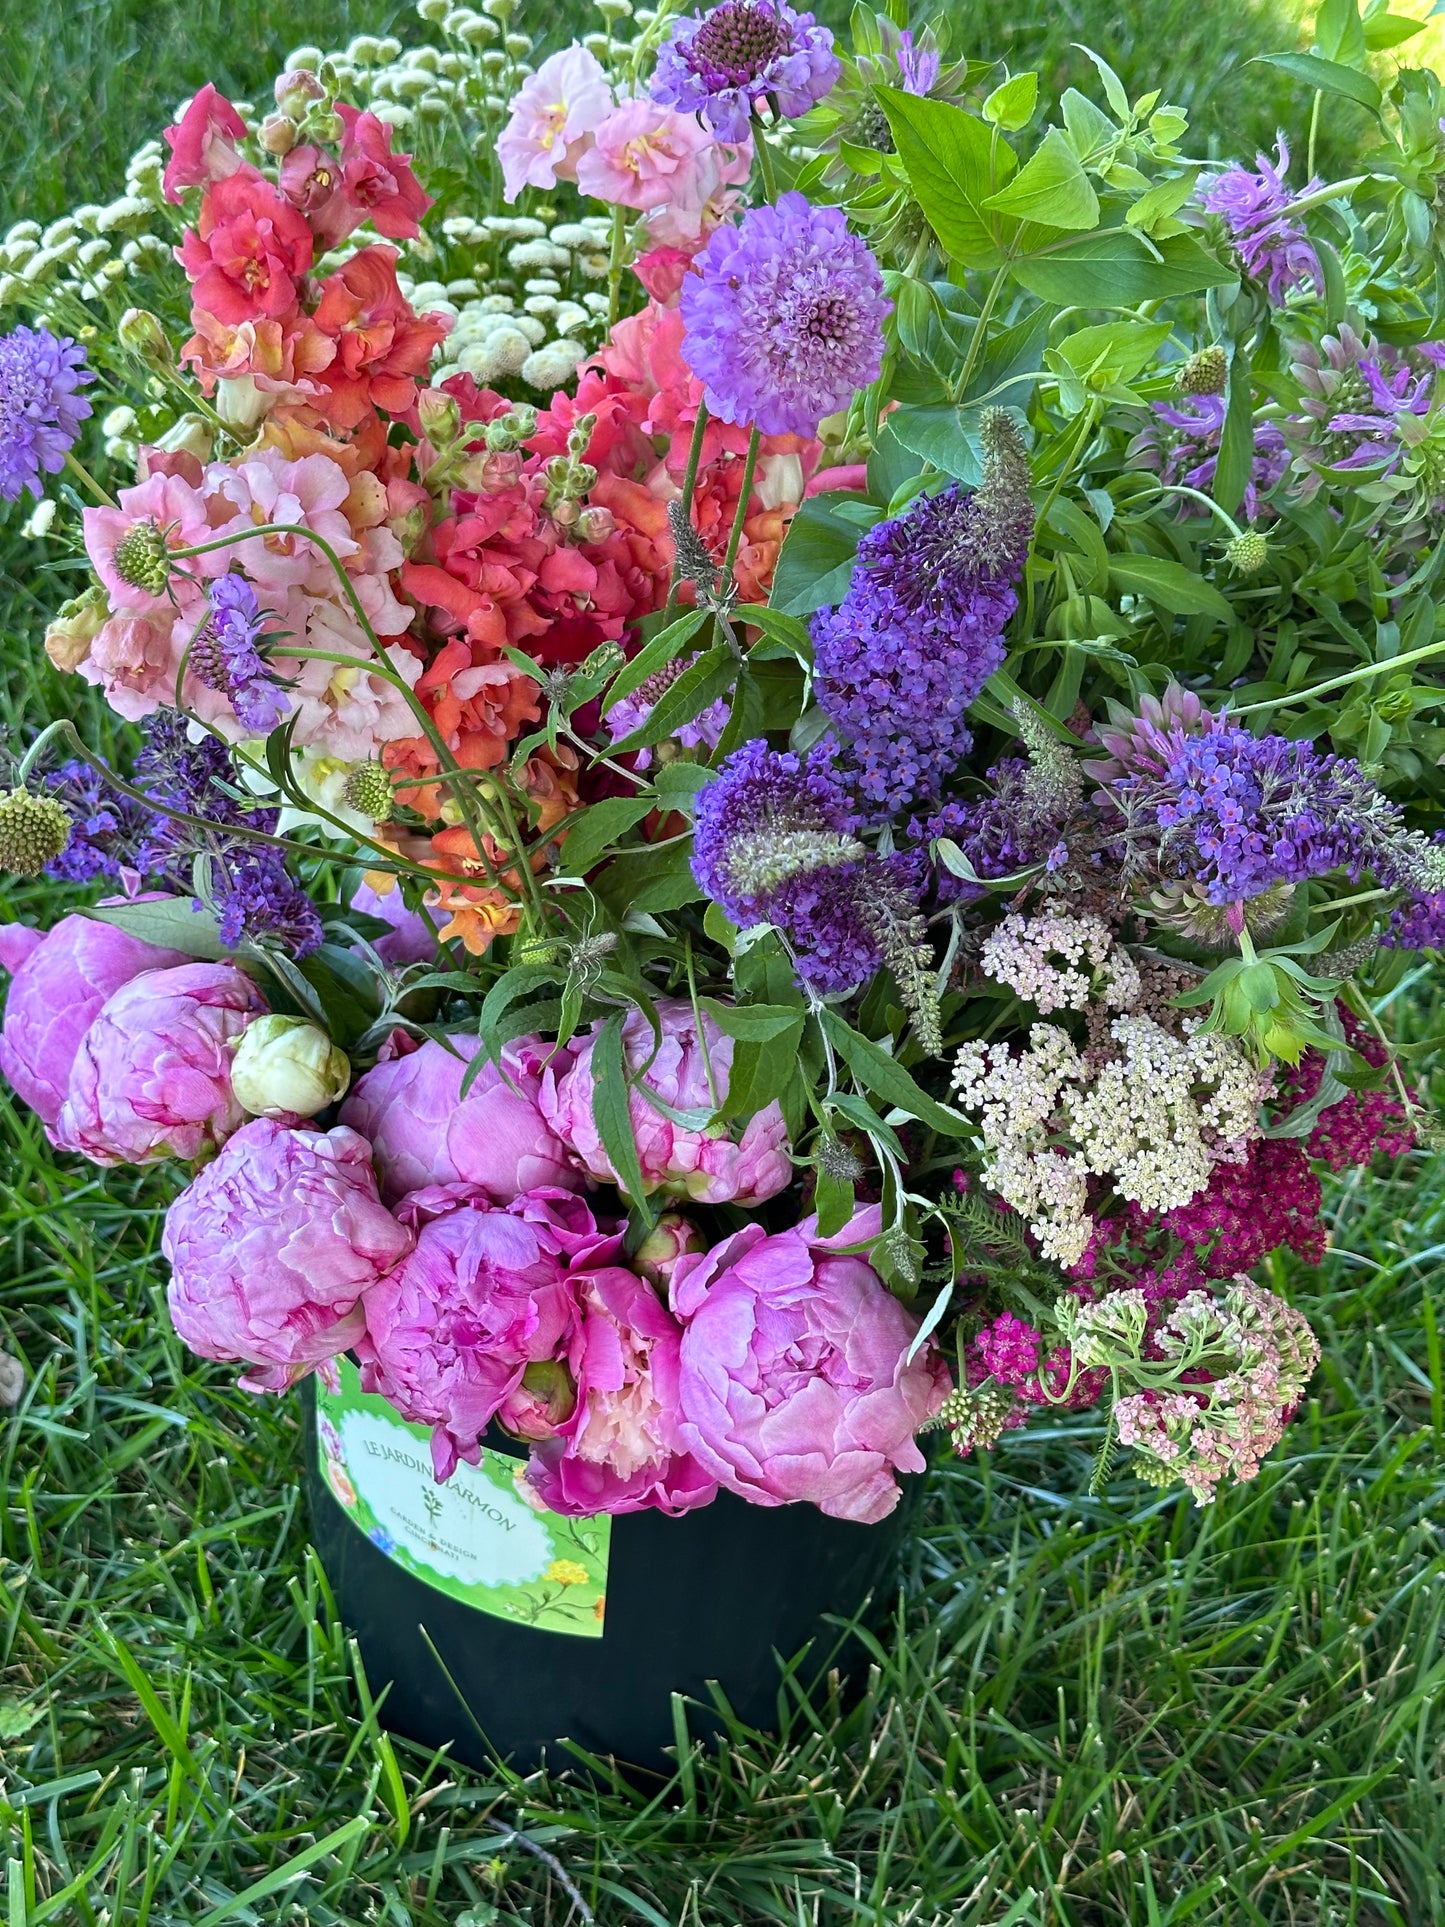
x,y
224,656
1182,446
1238,814
723,63
1258,211
784,321
704,732
920,630
40,408
775,841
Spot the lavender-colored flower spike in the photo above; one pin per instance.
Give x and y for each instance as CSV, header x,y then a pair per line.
x,y
721,64
40,409
225,658
784,321
920,630
1258,211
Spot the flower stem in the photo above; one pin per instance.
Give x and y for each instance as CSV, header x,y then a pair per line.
x,y
689,487
735,539
84,475
765,162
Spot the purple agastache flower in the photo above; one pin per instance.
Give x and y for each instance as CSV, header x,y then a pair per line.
x,y
1355,396
722,64
1238,814
784,321
1258,211
703,732
918,67
224,656
40,410
920,630
1182,446
775,842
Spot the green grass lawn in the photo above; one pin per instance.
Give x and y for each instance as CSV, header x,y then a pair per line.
x,y
1086,1710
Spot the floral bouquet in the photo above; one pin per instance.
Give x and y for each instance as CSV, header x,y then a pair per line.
x,y
786,744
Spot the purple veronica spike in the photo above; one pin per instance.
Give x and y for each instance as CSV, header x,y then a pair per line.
x,y
40,410
225,657
721,64
1258,211
784,323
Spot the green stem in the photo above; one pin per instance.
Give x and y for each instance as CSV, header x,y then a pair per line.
x,y
765,162
84,475
1364,671
614,266
689,488
1198,495
980,331
735,539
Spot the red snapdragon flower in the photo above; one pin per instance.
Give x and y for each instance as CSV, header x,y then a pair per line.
x,y
382,345
203,144
247,251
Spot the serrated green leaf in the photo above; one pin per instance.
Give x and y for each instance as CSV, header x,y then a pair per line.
x,y
599,827
1011,106
1117,269
954,164
758,1023
699,686
664,648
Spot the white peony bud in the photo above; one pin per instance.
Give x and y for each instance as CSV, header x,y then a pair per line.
x,y
285,1067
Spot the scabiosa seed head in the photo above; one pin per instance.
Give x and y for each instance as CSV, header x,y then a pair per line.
x,y
1248,552
143,559
784,320
40,408
368,791
34,831
1205,373
721,64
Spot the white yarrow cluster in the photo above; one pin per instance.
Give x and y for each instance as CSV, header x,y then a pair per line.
x,y
1056,961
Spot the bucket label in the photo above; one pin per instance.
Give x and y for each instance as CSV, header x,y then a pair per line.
x,y
481,1537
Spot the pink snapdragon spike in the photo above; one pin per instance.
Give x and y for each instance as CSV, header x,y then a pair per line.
x,y
667,166
484,1294
247,252
621,1450
61,980
424,1132
271,1248
794,1380
553,118
689,1073
152,1077
203,144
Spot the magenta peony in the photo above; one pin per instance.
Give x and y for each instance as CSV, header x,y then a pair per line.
x,y
620,1450
793,1381
485,1293
423,1132
61,980
271,1248
684,1160
152,1077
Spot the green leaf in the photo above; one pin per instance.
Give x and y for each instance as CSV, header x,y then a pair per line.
x,y
1329,77
947,437
757,1023
664,647
711,676
1051,188
1340,33
649,879
1117,269
762,1069
1386,30
887,1078
954,164
593,834
815,564
612,1113
777,630
833,1201
174,923
1011,106
509,989
1170,584
1236,447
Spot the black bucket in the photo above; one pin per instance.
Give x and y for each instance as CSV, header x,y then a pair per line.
x,y
666,1605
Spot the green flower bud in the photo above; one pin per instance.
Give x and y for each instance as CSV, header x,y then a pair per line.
x,y
142,558
1205,373
1248,552
285,1067
141,334
368,791
441,417
34,830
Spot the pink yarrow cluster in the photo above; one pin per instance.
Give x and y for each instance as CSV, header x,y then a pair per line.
x,y
443,1237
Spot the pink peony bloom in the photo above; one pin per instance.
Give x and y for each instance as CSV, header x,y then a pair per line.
x,y
247,252
152,1077
61,980
423,1132
203,143
410,938
620,1450
451,1331
271,1248
684,1160
554,116
793,1381
640,154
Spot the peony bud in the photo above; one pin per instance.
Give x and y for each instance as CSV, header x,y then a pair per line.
x,y
285,1067
545,1399
664,1245
69,633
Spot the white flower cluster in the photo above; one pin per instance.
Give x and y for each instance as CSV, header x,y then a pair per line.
x,y
1040,957
1155,1117
90,252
